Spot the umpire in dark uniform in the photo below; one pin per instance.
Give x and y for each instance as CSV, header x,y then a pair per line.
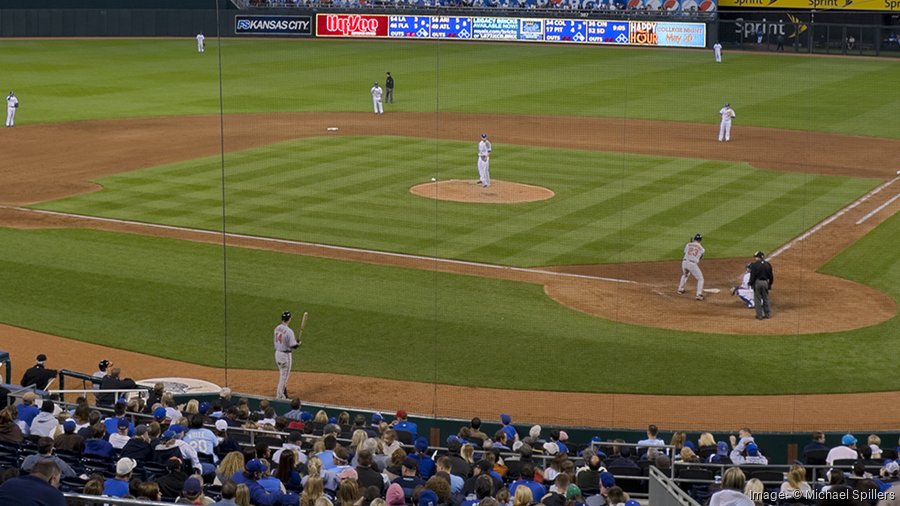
x,y
761,279
389,89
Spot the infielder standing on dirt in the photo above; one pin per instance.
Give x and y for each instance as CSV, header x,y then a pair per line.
x,y
725,126
717,51
376,99
200,45
285,344
484,161
12,103
690,265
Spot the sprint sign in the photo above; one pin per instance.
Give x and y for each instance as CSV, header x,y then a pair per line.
x,y
351,25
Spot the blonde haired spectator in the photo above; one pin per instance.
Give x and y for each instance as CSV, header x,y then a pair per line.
x,y
523,496
875,445
732,493
795,481
754,490
688,456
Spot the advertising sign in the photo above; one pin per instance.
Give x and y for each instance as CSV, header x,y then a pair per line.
x,y
495,28
680,34
272,25
840,5
608,32
413,27
564,30
351,25
444,27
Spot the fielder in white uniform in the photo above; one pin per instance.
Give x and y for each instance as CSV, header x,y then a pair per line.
x,y
725,126
690,265
717,51
12,103
743,291
484,161
376,99
200,45
285,344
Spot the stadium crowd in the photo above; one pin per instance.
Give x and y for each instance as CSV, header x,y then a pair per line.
x,y
203,452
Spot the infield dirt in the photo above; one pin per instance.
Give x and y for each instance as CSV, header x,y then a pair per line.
x,y
53,161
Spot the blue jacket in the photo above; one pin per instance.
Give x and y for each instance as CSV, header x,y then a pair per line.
x,y
99,447
30,491
260,496
427,467
537,490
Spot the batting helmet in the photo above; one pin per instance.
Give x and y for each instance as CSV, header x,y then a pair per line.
x,y
103,364
759,254
285,316
698,237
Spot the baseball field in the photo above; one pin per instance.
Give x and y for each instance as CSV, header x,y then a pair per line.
x,y
160,201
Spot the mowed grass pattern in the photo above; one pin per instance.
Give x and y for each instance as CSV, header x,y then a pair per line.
x,y
608,207
64,80
406,324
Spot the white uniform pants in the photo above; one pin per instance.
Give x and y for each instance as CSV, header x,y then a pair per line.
x,y
689,268
283,360
718,53
10,116
376,103
746,295
199,47
484,171
725,130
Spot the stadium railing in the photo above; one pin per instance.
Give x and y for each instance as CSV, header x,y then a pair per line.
x,y
665,492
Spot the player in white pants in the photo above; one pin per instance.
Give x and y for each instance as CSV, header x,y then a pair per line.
x,y
484,161
725,126
376,99
717,51
200,45
12,103
690,265
743,291
285,344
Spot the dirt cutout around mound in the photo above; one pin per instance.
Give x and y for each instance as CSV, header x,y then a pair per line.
x,y
500,192
640,293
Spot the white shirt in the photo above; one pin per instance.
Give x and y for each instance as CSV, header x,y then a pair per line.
x,y
651,442
118,441
745,281
376,92
200,38
717,47
11,102
727,113
284,338
729,497
693,252
484,147
840,452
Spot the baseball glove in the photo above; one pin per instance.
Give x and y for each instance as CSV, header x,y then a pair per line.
x,y
16,106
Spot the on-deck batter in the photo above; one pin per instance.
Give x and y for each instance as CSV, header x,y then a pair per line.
x,y
484,161
690,265
725,126
285,344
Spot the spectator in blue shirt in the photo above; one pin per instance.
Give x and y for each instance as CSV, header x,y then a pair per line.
x,y
40,488
401,423
527,479
511,435
427,466
27,410
118,486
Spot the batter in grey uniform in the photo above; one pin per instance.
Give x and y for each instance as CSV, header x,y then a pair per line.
x,y
285,344
690,265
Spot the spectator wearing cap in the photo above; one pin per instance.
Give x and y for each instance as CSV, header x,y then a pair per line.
x,y
527,479
560,437
458,465
607,481
750,455
510,431
113,381
225,399
40,488
45,452
172,411
28,410
119,415
732,492
889,477
227,444
253,471
409,478
744,437
294,443
514,463
847,450
98,376
118,485
192,492
120,438
426,465
138,447
38,376
97,445
68,440
652,437
401,423
201,439
172,439
44,424
428,498
721,455
394,496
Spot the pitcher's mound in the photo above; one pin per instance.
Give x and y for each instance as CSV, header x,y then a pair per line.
x,y
500,192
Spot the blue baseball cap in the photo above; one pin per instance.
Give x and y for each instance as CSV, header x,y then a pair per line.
x,y
204,407
428,498
722,448
505,419
169,434
377,418
607,479
421,444
305,417
256,466
159,413
178,429
752,449
848,440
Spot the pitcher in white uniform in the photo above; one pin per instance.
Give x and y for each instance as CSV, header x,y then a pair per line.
x,y
285,344
484,161
690,265
725,126
376,99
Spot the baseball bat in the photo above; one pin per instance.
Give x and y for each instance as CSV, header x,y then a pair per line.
x,y
303,322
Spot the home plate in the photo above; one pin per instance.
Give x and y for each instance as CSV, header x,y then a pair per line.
x,y
332,129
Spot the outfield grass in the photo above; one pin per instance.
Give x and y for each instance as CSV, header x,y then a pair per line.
x,y
165,297
60,80
609,207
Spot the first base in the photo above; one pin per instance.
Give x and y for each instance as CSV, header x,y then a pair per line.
x,y
332,129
